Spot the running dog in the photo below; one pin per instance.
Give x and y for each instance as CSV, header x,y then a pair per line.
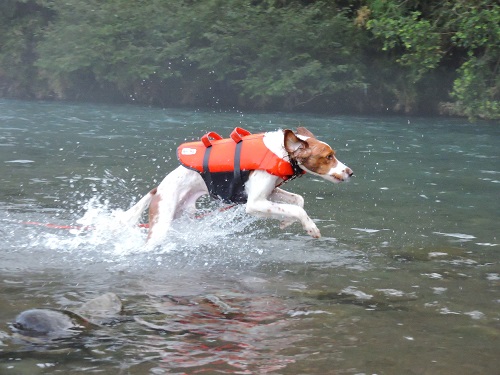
x,y
245,168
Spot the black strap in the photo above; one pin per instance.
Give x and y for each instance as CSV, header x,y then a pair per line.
x,y
237,161
237,181
206,171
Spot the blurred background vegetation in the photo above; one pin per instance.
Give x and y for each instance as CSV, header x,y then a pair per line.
x,y
364,57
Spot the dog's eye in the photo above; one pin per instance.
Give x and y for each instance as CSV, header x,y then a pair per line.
x,y
329,156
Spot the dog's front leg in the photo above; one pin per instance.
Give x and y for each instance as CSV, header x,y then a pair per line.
x,y
281,196
259,188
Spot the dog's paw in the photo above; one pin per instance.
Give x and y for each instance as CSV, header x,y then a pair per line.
x,y
312,229
315,233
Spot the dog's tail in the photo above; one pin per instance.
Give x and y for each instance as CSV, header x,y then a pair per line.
x,y
133,215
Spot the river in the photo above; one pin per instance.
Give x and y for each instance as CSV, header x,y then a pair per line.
x,y
404,280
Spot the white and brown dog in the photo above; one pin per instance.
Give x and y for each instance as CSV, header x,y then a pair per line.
x,y
246,168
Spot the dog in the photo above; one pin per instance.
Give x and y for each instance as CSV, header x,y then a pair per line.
x,y
246,168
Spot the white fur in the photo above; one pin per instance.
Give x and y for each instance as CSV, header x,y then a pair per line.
x,y
274,142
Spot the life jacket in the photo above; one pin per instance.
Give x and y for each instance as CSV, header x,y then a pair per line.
x,y
225,164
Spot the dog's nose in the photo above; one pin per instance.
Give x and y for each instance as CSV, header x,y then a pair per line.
x,y
349,171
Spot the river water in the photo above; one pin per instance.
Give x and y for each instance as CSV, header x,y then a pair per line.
x,y
405,279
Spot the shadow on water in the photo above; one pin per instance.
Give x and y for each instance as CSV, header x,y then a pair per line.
x,y
405,279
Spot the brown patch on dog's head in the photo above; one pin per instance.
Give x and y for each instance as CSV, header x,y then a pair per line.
x,y
321,159
315,156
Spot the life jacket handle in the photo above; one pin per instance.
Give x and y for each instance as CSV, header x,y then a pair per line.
x,y
206,138
238,133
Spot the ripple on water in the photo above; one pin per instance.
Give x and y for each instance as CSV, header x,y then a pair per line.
x,y
460,236
20,161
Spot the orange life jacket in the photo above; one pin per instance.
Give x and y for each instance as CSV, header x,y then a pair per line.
x,y
225,164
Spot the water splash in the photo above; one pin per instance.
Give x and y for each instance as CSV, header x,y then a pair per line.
x,y
98,235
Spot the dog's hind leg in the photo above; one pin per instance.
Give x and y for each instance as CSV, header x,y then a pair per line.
x,y
161,214
176,194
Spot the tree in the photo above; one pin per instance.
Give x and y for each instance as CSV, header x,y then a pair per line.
x,y
424,35
125,44
285,53
21,22
476,27
364,55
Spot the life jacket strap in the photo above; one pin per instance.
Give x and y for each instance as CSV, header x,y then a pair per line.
x,y
207,176
232,192
237,181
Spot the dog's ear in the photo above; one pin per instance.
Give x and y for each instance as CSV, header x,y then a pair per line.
x,y
295,146
303,131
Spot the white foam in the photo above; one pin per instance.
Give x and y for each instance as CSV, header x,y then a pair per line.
x,y
367,230
20,161
352,290
392,292
439,290
447,311
476,315
456,235
294,314
433,275
490,172
435,254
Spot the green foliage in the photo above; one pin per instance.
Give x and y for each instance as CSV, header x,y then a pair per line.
x,y
21,23
477,30
412,41
418,39
289,53
425,35
115,42
477,89
292,53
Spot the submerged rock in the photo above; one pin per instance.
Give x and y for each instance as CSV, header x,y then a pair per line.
x,y
425,254
36,325
49,323
104,307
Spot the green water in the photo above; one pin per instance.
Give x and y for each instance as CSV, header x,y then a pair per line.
x,y
405,279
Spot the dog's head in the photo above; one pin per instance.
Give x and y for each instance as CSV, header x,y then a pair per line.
x,y
314,156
